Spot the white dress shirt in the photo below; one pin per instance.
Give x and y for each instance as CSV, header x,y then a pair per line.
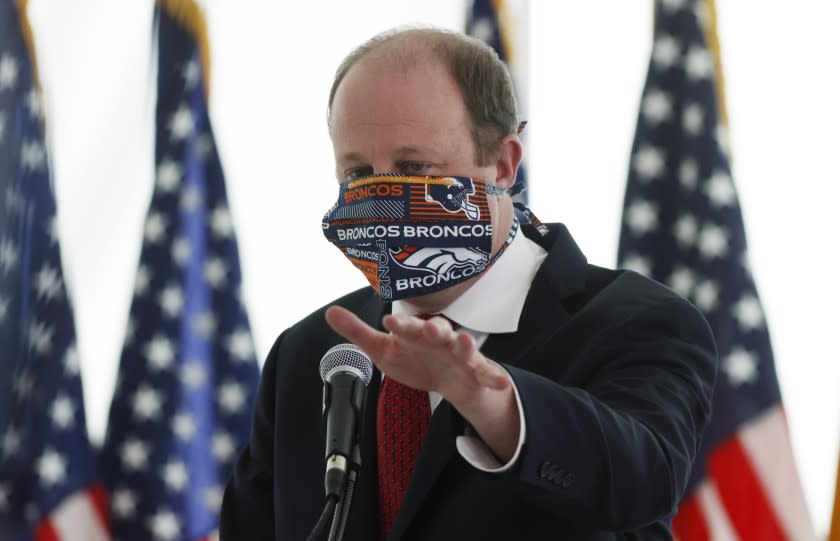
x,y
492,305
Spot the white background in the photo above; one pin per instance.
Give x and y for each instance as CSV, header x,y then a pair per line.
x,y
272,68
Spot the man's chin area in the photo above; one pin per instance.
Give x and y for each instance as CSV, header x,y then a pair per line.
x,y
434,303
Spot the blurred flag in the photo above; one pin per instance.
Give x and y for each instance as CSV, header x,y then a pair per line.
x,y
834,533
188,373
486,21
49,488
682,226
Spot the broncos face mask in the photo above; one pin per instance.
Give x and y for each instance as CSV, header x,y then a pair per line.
x,y
412,236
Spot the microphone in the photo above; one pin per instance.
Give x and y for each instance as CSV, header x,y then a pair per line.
x,y
346,371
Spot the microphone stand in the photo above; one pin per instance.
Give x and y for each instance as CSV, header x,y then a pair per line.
x,y
342,509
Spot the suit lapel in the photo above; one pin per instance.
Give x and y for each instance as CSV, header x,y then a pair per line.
x,y
561,275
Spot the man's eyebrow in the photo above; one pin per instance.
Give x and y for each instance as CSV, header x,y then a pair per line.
x,y
410,151
351,157
401,152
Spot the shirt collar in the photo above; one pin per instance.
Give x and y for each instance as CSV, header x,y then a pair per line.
x,y
494,303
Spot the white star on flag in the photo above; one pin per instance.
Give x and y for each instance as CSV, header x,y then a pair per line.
x,y
165,525
638,263
682,281
181,251
692,119
71,360
48,283
642,217
135,454
175,475
688,173
673,5
141,280
51,467
40,337
181,124
62,412
8,71
204,324
155,228
685,230
223,446
183,425
171,300
11,442
32,155
231,397
212,498
740,366
221,222
147,403
698,63
748,313
33,103
215,272
656,106
160,352
193,374
240,345
8,255
4,308
168,175
713,241
720,190
482,29
123,502
649,162
191,73
666,51
190,198
706,296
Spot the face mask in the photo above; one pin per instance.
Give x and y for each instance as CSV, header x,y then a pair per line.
x,y
412,236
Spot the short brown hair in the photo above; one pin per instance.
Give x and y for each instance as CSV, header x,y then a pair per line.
x,y
481,76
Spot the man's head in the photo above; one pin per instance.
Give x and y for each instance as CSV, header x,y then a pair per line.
x,y
480,76
428,103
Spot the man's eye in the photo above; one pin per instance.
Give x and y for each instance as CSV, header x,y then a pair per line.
x,y
357,172
414,168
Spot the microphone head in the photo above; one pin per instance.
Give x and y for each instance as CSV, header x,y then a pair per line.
x,y
346,358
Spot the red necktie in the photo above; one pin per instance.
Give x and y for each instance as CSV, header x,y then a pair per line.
x,y
402,421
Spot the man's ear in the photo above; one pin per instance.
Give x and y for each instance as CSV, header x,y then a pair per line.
x,y
507,161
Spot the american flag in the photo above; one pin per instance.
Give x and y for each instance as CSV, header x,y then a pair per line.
x,y
682,226
49,485
188,373
484,21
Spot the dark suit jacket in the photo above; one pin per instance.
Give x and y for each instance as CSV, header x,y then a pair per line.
x,y
615,374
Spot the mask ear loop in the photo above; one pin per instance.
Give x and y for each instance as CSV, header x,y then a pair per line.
x,y
524,214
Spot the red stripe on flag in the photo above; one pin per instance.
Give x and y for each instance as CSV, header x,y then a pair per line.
x,y
742,495
99,498
46,532
689,523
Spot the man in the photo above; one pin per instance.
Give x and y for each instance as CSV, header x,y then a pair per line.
x,y
570,400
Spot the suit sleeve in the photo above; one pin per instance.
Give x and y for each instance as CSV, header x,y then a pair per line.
x,y
617,454
247,506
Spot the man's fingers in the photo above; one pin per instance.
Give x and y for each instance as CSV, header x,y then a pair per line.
x,y
463,347
404,326
348,325
438,331
492,375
